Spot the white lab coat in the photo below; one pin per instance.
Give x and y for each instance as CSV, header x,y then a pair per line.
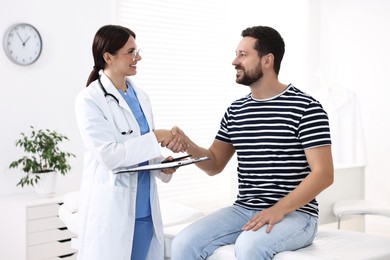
x,y
107,206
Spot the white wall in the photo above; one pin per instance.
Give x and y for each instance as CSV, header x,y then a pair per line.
x,y
349,45
42,94
355,55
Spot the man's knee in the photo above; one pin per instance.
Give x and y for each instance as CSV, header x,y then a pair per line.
x,y
178,245
251,249
182,246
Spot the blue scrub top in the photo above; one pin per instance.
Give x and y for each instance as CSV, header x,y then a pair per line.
x,y
143,189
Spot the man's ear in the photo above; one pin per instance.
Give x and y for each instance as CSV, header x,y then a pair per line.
x,y
268,60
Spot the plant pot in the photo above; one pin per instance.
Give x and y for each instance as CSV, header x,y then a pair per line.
x,y
47,183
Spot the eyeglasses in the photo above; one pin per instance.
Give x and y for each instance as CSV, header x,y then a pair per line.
x,y
133,53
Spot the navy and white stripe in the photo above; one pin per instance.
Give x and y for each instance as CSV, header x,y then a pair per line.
x,y
270,137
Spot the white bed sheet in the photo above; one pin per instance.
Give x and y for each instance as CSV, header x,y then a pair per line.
x,y
329,244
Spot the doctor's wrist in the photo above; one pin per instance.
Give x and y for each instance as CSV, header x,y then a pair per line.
x,y
162,135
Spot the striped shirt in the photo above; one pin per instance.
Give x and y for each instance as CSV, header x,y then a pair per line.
x,y
270,137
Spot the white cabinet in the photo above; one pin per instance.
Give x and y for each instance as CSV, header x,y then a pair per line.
x,y
31,230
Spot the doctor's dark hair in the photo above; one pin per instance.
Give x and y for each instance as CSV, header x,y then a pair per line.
x,y
268,41
109,38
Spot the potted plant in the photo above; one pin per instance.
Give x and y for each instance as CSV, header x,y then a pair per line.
x,y
43,159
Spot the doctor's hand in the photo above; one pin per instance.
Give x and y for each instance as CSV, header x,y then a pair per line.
x,y
179,141
169,170
173,139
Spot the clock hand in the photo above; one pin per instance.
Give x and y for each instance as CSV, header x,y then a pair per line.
x,y
20,37
24,43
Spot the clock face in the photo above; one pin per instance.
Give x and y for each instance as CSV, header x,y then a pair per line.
x,y
22,44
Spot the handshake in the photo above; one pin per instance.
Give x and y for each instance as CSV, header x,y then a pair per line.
x,y
174,139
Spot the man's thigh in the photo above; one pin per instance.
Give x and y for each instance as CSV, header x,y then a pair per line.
x,y
295,231
202,237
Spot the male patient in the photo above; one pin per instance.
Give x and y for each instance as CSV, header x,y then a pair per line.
x,y
282,140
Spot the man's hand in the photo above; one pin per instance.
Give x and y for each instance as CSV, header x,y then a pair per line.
x,y
268,217
173,139
177,142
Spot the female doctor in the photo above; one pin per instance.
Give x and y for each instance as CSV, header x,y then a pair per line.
x,y
119,215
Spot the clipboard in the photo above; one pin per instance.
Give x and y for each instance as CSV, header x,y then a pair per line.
x,y
160,166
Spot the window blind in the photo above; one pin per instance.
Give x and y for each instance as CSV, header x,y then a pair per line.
x,y
187,50
183,69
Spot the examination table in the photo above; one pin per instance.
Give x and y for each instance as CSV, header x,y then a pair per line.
x,y
328,244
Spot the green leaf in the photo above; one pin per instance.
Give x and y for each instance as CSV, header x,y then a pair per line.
x,y
42,154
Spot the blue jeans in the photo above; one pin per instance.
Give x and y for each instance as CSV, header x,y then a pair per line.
x,y
200,239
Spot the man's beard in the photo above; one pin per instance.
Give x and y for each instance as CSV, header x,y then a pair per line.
x,y
249,78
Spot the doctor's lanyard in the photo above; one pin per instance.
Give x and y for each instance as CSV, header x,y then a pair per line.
x,y
106,94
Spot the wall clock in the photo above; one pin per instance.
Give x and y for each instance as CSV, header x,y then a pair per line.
x,y
22,43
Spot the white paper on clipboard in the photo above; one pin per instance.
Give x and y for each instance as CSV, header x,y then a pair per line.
x,y
160,166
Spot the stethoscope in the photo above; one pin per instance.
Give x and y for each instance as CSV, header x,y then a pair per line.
x,y
106,94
